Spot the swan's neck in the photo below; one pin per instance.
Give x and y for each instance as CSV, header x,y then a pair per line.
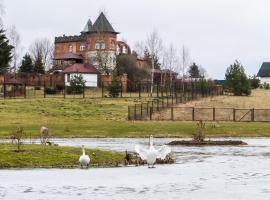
x,y
83,151
151,141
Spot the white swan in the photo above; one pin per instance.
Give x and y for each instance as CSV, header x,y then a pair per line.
x,y
151,154
84,159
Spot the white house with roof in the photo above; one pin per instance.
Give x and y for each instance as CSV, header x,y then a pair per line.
x,y
264,73
88,72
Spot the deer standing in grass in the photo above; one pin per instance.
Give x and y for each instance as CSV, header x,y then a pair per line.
x,y
44,135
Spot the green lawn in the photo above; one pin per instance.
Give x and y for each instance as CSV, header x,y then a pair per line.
x,y
40,156
101,118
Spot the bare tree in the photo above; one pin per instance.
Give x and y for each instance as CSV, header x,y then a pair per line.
x,y
103,57
139,48
170,61
15,41
203,72
2,12
45,48
154,46
185,62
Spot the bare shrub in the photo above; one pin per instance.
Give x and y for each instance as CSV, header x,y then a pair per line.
x,y
16,137
199,134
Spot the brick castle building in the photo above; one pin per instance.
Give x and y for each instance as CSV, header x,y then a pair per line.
x,y
97,45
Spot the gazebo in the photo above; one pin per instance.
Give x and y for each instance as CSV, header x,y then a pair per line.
x,y
14,88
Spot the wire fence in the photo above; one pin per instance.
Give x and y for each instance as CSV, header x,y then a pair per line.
x,y
148,110
127,90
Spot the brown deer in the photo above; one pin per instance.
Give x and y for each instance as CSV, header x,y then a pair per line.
x,y
44,135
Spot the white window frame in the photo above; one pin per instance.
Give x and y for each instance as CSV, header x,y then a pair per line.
x,y
82,47
100,45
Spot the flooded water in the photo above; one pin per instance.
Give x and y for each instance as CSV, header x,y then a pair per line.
x,y
199,173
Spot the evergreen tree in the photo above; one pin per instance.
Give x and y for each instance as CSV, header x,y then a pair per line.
x,y
115,87
194,71
148,59
254,82
77,84
38,65
5,52
27,64
236,80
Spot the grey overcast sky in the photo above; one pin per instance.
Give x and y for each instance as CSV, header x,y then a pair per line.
x,y
216,32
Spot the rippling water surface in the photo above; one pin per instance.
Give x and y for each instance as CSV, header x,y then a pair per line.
x,y
199,173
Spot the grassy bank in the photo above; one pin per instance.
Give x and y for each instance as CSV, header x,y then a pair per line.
x,y
40,156
108,118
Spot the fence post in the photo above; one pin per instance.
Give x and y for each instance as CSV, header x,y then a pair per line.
x,y
135,114
121,86
157,91
151,112
141,111
25,91
252,115
102,89
83,91
140,87
192,95
214,114
128,112
44,90
172,117
65,88
4,90
193,114
234,119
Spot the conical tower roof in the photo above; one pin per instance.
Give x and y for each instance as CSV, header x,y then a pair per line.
x,y
102,24
88,27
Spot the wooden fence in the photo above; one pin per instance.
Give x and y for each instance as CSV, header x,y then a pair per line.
x,y
148,110
213,114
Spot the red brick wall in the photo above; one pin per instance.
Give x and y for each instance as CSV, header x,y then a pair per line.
x,y
37,79
90,43
105,81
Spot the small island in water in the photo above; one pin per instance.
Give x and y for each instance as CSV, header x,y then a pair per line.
x,y
199,139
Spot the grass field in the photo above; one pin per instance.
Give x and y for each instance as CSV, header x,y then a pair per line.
x,y
40,156
224,106
108,118
89,93
258,99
